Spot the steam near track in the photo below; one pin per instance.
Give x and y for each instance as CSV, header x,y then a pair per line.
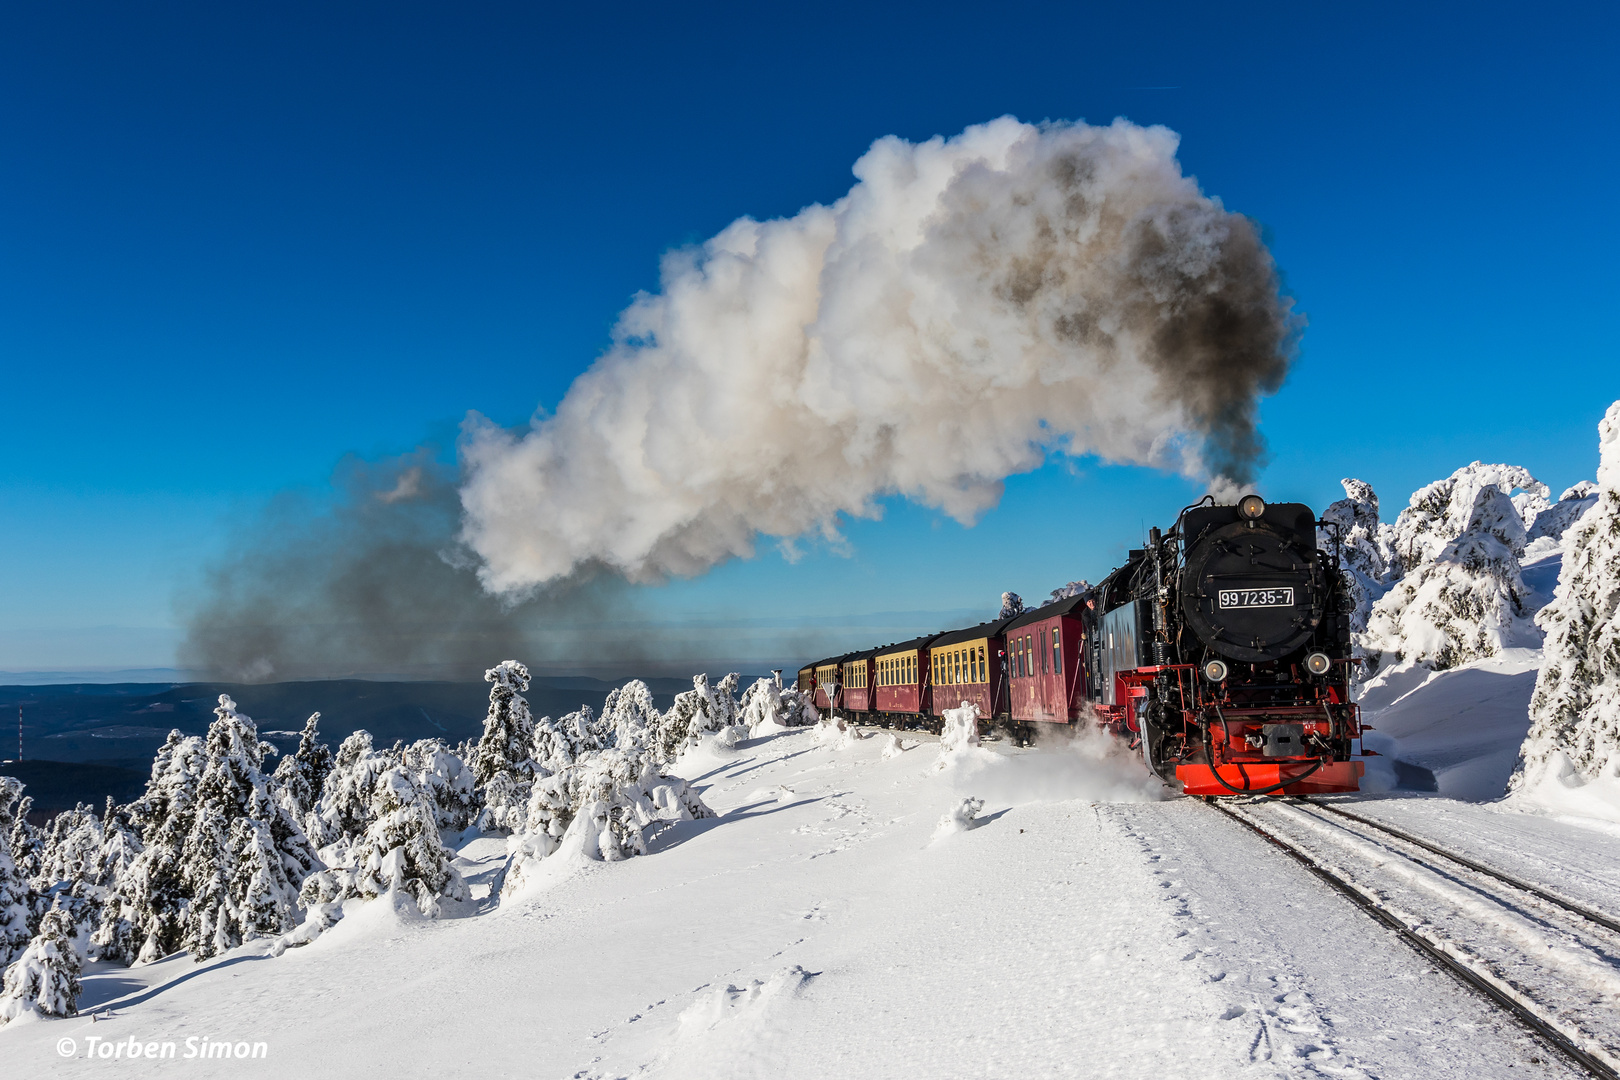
x,y
968,306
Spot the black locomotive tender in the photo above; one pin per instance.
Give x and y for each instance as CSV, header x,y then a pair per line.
x,y
1221,651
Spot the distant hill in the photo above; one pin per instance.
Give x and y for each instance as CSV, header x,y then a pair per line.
x,y
61,785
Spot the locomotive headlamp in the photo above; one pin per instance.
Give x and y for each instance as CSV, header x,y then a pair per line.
x,y
1317,663
1215,671
1250,507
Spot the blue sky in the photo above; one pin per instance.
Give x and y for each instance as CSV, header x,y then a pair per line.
x,y
238,242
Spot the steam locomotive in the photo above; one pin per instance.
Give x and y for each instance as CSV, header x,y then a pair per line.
x,y
1220,651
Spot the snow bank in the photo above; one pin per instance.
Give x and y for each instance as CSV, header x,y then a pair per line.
x,y
1463,726
838,732
730,1003
597,810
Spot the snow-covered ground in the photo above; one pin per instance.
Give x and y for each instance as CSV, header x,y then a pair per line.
x,y
837,919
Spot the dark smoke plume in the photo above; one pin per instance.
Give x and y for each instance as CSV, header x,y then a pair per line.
x,y
372,582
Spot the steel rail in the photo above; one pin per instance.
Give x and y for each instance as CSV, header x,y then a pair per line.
x,y
1484,986
1462,860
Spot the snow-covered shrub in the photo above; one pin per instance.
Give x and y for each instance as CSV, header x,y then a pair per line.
x,y
837,731
697,711
503,764
400,854
561,742
630,714
446,781
961,728
344,811
299,777
768,706
599,808
1461,596
1575,711
45,979
1011,604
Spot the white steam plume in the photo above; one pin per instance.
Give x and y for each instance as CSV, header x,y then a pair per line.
x,y
972,304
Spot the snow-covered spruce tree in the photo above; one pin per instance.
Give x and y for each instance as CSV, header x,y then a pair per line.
x,y
401,853
503,765
1363,547
1440,512
45,979
72,847
14,894
245,857
1460,596
114,936
299,776
1011,604
151,895
1575,711
70,875
762,708
25,840
1552,523
446,781
630,714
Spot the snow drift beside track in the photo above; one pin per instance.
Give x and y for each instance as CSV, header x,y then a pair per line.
x,y
1084,764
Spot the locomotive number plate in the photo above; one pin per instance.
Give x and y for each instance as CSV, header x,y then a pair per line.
x,y
1242,598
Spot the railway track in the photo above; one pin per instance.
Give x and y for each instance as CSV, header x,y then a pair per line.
x,y
1549,961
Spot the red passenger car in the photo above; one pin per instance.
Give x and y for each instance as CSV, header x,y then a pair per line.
x,y
829,687
1046,658
966,666
901,684
856,675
